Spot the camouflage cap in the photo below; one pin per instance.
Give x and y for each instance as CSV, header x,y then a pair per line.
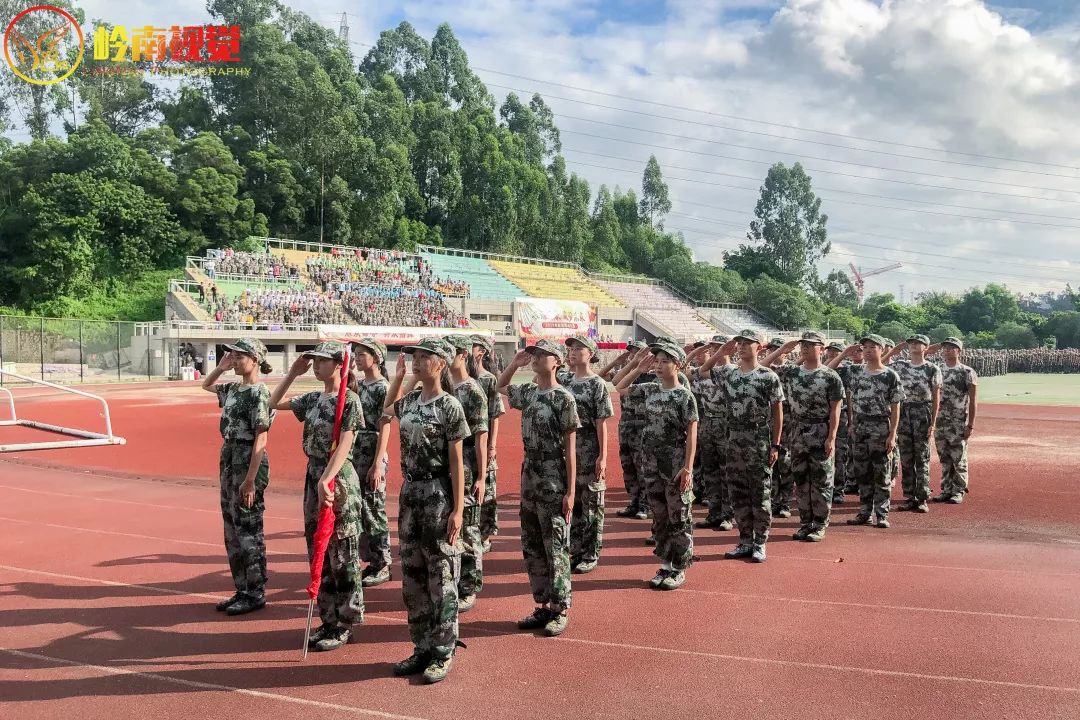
x,y
586,342
776,342
373,346
636,345
812,337
666,340
249,346
331,349
483,341
720,338
750,335
549,347
837,345
700,343
435,346
670,349
919,339
876,339
461,343
955,341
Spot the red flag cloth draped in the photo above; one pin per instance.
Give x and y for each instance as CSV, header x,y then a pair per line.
x,y
326,514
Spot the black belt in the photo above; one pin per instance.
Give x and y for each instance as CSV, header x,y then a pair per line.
x,y
809,421
916,402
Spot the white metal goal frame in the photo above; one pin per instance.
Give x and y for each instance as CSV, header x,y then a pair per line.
x,y
87,438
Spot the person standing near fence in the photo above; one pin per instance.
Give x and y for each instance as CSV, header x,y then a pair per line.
x,y
473,399
959,405
918,418
341,595
487,370
371,460
244,470
549,423
594,408
431,506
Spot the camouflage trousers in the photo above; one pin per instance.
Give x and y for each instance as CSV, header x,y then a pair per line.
x,y
471,576
673,521
712,449
245,544
751,481
812,472
545,544
843,456
895,464
952,453
871,466
629,446
341,596
430,566
783,485
489,511
587,522
374,525
913,441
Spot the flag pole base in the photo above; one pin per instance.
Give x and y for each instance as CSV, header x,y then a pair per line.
x,y
307,631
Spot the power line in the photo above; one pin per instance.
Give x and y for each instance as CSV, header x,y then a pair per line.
x,y
820,187
847,136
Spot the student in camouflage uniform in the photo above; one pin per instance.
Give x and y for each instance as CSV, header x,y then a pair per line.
x,y
894,458
370,461
549,423
956,422
754,396
783,485
484,357
918,418
876,393
594,408
712,442
432,427
244,470
847,423
833,350
341,595
629,437
473,401
669,442
699,473
814,393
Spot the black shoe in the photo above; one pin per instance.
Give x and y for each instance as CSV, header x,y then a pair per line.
x,y
224,604
537,620
740,552
651,540
838,498
659,578
627,512
921,508
802,532
907,505
333,639
371,578
709,523
246,604
319,634
412,665
955,499
859,519
940,498
487,546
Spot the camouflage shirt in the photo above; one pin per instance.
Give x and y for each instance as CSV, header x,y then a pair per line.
x,y
592,397
844,371
316,410
245,410
919,380
489,384
372,398
749,396
545,416
872,394
634,405
667,413
956,382
710,402
474,403
427,429
810,392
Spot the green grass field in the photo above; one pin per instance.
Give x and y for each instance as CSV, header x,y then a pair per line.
x,y
1031,389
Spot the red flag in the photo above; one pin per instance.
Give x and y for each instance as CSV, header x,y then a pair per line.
x,y
326,514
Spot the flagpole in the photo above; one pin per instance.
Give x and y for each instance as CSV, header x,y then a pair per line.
x,y
307,633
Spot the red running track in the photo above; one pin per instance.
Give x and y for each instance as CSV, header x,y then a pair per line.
x,y
109,569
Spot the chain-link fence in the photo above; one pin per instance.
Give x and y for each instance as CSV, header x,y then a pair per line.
x,y
70,351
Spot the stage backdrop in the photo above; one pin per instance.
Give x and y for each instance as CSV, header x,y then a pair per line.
x,y
542,318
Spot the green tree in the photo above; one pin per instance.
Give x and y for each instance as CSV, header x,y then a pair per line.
x,y
837,289
789,227
895,331
1015,336
655,202
783,304
938,333
984,309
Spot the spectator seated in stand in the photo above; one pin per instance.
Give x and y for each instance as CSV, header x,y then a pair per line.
x,y
389,306
231,262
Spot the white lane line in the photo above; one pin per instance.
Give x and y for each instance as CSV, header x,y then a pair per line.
x,y
846,669
628,646
162,677
875,606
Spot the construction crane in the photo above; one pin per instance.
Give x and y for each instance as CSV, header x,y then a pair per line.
x,y
860,277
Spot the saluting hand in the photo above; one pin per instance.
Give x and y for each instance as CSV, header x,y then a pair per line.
x,y
399,368
523,358
300,366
